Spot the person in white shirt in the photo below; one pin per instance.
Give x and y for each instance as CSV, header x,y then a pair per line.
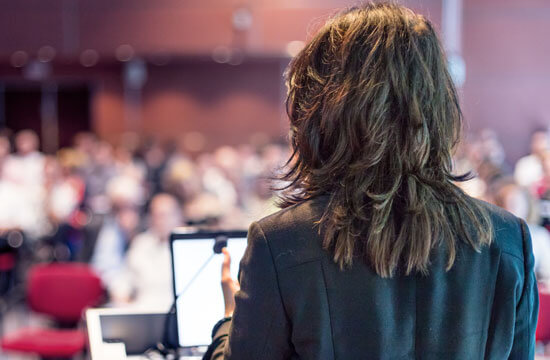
x,y
147,278
22,187
26,166
528,170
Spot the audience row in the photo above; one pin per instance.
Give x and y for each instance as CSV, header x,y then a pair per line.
x,y
114,206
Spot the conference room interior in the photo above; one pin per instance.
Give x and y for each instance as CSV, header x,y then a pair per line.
x,y
123,120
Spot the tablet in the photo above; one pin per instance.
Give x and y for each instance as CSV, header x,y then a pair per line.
x,y
197,277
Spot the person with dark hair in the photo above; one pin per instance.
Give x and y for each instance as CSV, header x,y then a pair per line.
x,y
377,254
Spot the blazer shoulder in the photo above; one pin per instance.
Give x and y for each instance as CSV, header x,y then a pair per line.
x,y
508,232
295,217
293,232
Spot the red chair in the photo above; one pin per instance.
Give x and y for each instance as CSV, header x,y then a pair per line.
x,y
7,261
7,267
543,326
62,291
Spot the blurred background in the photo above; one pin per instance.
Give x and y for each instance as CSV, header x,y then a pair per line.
x,y
121,119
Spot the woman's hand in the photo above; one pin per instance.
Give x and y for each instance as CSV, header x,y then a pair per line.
x,y
229,286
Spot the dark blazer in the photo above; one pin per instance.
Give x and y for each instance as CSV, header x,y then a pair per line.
x,y
295,303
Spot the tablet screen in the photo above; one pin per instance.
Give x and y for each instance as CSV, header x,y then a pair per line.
x,y
197,277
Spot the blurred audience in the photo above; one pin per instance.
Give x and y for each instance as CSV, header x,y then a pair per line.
x,y
114,205
525,192
519,202
88,202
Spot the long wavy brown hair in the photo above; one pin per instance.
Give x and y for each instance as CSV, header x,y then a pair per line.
x,y
375,120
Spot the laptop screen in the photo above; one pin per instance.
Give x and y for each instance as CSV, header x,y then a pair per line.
x,y
197,278
139,332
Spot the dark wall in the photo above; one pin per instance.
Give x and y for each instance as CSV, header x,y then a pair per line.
x,y
507,55
228,104
505,47
177,26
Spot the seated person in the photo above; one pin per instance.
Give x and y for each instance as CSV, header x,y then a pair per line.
x,y
112,242
146,280
529,168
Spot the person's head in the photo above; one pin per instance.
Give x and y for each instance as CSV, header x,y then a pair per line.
x,y
518,201
155,155
491,148
227,158
545,162
540,142
52,169
103,154
127,218
374,121
124,191
26,142
165,214
71,160
5,146
85,142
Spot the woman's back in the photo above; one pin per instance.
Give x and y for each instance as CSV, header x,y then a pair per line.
x,y
378,254
301,305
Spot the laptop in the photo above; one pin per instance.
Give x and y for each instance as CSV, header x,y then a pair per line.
x,y
139,331
196,268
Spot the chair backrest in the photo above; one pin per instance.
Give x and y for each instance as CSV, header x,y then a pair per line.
x,y
7,261
543,325
63,290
